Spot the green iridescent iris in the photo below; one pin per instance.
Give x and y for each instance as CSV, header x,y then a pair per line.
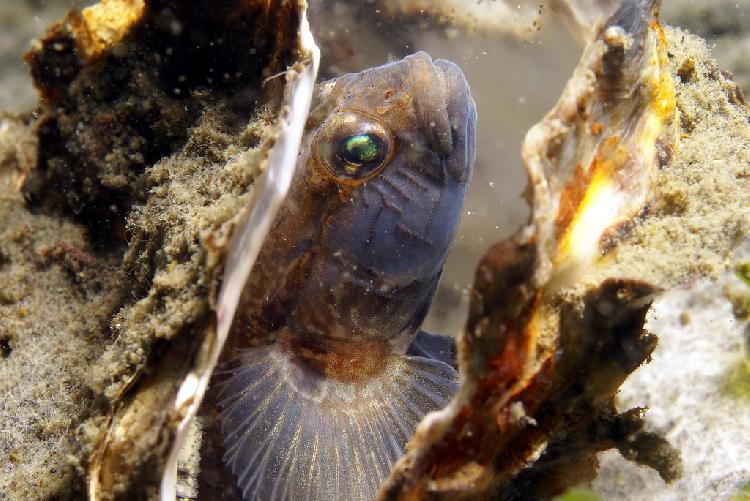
x,y
353,147
360,149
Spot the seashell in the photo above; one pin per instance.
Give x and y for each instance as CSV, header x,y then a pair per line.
x,y
540,296
142,404
246,243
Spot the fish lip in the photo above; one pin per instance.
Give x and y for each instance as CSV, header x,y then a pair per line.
x,y
428,88
446,111
462,114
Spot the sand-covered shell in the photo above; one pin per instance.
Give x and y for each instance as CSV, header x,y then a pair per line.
x,y
254,223
252,229
267,50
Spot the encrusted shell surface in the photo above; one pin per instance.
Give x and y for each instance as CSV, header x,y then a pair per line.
x,y
534,312
247,240
151,401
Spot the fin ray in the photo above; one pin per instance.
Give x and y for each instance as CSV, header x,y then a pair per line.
x,y
290,433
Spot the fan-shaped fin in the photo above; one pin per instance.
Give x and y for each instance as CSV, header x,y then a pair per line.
x,y
291,433
435,346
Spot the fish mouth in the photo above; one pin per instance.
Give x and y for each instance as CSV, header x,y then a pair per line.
x,y
447,112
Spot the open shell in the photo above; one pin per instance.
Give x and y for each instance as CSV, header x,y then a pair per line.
x,y
150,410
268,194
538,298
249,237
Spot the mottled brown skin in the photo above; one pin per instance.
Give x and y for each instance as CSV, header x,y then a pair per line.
x,y
348,271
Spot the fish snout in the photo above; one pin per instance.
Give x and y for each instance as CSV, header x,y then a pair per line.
x,y
446,112
462,115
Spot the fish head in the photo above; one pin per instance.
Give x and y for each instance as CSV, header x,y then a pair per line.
x,y
398,142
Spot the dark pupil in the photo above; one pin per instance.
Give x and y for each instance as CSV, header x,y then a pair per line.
x,y
360,149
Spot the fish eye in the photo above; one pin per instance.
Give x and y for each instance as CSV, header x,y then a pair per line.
x,y
353,147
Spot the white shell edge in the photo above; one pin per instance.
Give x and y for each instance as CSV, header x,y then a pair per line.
x,y
251,232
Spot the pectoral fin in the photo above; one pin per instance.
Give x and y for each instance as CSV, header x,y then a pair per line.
x,y
291,433
434,346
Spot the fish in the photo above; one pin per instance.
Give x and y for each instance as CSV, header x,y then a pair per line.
x,y
328,372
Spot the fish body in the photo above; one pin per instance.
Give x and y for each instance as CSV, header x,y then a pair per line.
x,y
328,382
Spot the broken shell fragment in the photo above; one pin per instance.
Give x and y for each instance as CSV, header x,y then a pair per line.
x,y
528,353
